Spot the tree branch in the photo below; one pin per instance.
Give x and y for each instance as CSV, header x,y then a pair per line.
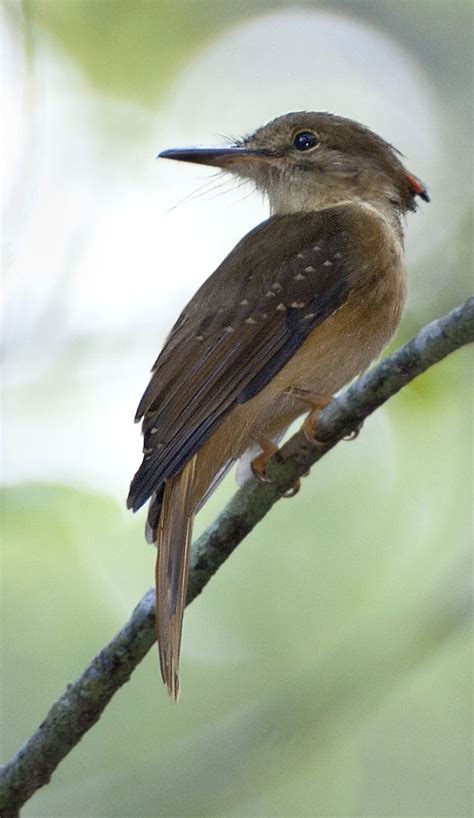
x,y
83,702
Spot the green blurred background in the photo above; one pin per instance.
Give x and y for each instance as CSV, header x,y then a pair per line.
x,y
327,668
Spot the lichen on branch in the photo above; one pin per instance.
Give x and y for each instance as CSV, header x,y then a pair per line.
x,y
83,702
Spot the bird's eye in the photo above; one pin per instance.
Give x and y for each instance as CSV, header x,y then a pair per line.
x,y
305,140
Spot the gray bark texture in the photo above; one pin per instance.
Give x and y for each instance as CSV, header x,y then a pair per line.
x,y
84,700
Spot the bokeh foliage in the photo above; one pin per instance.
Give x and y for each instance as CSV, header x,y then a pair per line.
x,y
327,667
327,663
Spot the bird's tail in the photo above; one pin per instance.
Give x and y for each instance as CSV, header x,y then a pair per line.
x,y
172,565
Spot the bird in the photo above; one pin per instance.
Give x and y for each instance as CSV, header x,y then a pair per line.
x,y
300,307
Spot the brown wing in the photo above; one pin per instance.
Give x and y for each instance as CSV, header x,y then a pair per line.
x,y
247,320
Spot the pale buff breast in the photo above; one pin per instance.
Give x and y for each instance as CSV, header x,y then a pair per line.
x,y
338,350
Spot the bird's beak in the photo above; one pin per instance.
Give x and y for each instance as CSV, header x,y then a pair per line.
x,y
220,157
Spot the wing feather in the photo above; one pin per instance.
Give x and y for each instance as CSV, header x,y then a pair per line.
x,y
243,325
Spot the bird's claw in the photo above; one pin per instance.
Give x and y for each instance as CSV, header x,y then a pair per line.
x,y
317,403
259,463
286,495
309,431
355,432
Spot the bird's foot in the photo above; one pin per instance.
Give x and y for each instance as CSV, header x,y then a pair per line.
x,y
317,403
258,464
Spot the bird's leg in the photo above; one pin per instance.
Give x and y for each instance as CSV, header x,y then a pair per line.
x,y
317,403
269,448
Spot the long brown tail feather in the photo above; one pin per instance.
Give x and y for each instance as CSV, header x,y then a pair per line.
x,y
171,575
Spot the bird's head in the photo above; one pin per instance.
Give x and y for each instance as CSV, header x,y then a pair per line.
x,y
307,160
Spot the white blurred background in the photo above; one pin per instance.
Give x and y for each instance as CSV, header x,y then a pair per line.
x,y
327,668
101,247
